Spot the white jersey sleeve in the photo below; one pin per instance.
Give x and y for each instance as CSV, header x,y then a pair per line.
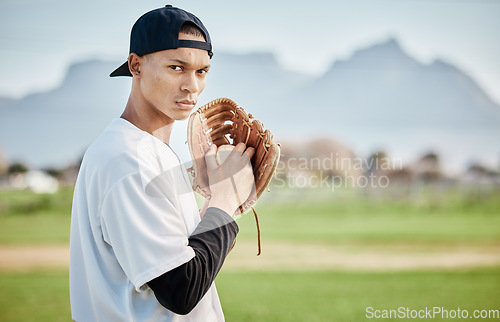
x,y
146,231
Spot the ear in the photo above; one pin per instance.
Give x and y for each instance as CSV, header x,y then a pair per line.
x,y
134,64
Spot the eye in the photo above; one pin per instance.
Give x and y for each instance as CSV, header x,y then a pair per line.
x,y
176,68
202,72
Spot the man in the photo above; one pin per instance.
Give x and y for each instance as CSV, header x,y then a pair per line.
x,y
140,248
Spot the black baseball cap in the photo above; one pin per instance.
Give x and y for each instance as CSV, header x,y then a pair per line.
x,y
158,30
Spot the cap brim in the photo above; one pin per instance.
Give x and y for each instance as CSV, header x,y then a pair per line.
x,y
123,70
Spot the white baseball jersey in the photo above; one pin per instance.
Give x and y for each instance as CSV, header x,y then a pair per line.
x,y
133,211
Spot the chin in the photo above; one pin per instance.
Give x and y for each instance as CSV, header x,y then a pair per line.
x,y
183,115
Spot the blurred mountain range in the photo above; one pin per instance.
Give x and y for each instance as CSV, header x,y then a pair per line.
x,y
379,98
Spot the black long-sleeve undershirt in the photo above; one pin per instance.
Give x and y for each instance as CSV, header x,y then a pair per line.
x,y
180,289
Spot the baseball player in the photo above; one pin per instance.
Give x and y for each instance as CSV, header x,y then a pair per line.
x,y
141,250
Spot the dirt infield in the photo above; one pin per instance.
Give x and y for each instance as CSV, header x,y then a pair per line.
x,y
33,257
278,256
283,256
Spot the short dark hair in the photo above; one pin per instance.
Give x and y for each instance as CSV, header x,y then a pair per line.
x,y
191,29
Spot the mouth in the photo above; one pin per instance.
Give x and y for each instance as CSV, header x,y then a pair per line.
x,y
186,104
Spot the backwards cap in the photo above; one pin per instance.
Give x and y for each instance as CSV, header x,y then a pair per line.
x,y
158,30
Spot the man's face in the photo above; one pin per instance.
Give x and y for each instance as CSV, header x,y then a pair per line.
x,y
172,80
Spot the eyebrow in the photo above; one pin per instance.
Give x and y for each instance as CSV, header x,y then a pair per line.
x,y
188,64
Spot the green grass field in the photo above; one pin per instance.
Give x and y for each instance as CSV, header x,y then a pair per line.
x,y
343,296
282,296
345,218
29,218
34,296
309,216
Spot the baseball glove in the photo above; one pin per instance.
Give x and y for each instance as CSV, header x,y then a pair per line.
x,y
223,122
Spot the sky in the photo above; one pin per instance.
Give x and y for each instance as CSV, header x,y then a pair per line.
x,y
39,39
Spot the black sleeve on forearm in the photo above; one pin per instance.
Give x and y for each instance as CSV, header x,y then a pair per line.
x,y
180,289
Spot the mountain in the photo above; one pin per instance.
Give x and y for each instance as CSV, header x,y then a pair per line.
x,y
382,86
54,128
382,97
250,78
379,98
4,101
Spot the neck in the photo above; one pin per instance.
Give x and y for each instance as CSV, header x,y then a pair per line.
x,y
148,118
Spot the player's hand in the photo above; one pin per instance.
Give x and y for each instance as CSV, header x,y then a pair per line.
x,y
232,182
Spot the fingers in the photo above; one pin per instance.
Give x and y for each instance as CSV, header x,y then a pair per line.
x,y
210,158
240,147
241,150
238,158
249,152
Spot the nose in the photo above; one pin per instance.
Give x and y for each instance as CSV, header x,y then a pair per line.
x,y
190,83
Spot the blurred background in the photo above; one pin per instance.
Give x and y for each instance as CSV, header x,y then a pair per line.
x,y
388,114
